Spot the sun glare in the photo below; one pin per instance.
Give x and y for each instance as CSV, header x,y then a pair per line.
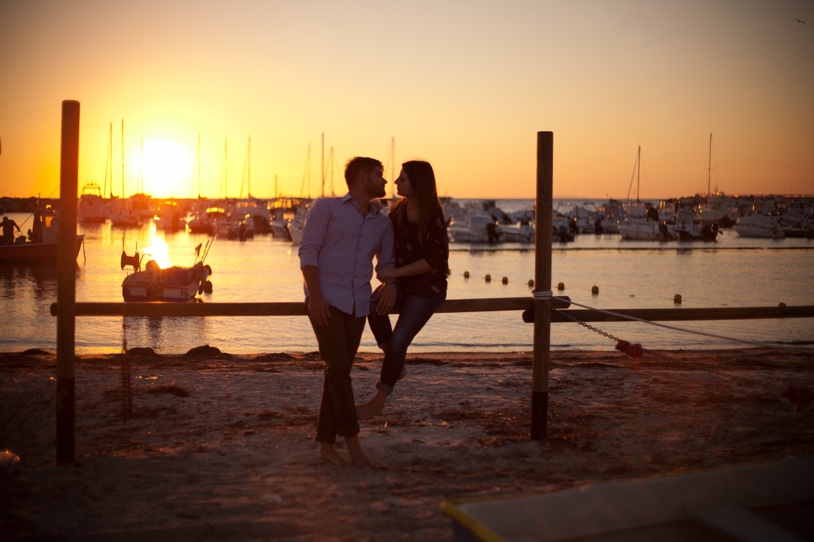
x,y
167,168
159,251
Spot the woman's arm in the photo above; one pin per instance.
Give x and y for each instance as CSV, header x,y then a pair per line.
x,y
416,268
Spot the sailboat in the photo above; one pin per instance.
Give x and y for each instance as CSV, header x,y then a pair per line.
x,y
254,212
702,226
709,212
641,222
129,212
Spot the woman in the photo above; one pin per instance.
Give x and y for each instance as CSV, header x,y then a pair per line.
x,y
420,276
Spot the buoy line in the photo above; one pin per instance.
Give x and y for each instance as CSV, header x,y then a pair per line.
x,y
665,326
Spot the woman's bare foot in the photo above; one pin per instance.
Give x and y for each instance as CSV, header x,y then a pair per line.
x,y
372,408
328,453
357,455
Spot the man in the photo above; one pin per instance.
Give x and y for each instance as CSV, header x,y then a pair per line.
x,y
339,240
8,230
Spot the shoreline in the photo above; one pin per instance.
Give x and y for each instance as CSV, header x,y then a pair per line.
x,y
220,447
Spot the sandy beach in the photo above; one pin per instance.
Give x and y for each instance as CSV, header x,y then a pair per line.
x,y
217,447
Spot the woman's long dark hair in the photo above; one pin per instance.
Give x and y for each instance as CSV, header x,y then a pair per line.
x,y
424,192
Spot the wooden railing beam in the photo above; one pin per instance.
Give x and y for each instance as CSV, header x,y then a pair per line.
x,y
296,308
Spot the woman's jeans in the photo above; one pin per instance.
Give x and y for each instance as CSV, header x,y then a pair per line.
x,y
414,311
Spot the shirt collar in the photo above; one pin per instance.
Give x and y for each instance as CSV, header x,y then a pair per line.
x,y
375,204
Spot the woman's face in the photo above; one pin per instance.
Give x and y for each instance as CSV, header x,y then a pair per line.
x,y
403,186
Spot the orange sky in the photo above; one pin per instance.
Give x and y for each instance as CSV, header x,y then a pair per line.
x,y
463,84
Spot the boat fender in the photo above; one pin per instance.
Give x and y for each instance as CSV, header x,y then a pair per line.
x,y
208,287
208,270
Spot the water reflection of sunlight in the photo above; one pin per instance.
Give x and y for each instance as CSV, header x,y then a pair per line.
x,y
159,251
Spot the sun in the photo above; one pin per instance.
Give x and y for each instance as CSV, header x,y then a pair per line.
x,y
167,168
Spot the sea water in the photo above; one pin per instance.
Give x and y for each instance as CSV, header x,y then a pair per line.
x,y
732,272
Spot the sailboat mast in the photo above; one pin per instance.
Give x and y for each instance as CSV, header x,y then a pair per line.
x,y
638,171
331,162
224,190
109,169
709,166
122,158
140,183
199,165
392,167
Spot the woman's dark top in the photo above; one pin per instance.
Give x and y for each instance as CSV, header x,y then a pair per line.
x,y
435,250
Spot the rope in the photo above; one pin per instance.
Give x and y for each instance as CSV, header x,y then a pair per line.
x,y
673,328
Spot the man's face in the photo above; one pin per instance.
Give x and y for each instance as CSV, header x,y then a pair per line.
x,y
374,183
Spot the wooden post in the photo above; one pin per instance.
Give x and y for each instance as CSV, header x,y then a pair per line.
x,y
542,285
66,282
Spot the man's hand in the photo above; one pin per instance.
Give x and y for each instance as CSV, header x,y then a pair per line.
x,y
386,298
318,310
386,274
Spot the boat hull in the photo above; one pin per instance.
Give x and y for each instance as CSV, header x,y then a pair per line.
x,y
759,232
644,231
34,252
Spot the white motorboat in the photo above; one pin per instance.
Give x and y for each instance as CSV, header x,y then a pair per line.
x,y
759,225
91,208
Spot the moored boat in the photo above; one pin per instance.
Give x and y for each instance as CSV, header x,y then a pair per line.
x,y
688,228
91,207
25,251
40,245
800,229
173,284
759,225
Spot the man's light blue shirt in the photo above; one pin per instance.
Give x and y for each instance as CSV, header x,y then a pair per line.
x,y
342,243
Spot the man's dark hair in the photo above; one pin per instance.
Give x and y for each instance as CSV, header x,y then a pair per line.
x,y
358,165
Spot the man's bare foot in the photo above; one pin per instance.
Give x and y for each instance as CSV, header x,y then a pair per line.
x,y
372,408
357,455
328,453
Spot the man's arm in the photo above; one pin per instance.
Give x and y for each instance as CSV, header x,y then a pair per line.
x,y
318,308
313,237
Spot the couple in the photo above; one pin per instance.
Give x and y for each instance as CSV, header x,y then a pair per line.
x,y
339,240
